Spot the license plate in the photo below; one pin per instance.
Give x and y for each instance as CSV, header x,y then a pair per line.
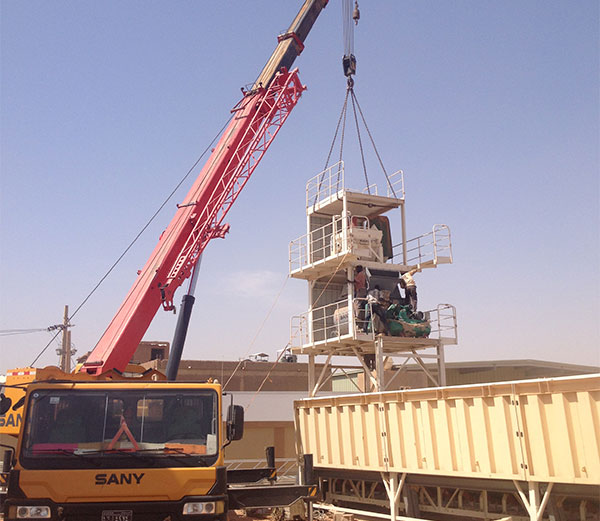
x,y
117,515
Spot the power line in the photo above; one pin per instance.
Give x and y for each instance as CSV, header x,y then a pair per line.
x,y
8,332
103,278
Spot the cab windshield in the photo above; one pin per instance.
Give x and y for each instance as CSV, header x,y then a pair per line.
x,y
104,427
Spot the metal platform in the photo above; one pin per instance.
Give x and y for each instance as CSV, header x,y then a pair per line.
x,y
330,331
339,262
357,203
327,195
336,245
365,343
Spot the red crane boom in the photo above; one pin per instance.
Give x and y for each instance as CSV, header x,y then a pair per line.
x,y
257,119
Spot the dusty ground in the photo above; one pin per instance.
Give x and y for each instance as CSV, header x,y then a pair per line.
x,y
296,512
264,514
241,515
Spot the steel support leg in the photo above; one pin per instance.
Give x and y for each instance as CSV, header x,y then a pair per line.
x,y
441,364
393,487
583,510
535,508
379,364
311,375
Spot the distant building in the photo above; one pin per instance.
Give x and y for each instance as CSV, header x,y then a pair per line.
x,y
146,350
150,350
464,373
243,375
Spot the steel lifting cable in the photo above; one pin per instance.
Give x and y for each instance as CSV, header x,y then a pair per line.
x,y
343,135
362,153
387,178
347,29
349,65
341,122
341,119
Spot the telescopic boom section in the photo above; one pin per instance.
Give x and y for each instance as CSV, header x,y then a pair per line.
x,y
291,43
257,119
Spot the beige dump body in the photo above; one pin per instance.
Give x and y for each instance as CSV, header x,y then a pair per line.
x,y
535,430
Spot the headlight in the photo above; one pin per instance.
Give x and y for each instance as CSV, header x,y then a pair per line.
x,y
35,512
204,507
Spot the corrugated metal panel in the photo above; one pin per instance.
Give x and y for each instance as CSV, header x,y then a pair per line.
x,y
536,430
499,374
323,294
345,383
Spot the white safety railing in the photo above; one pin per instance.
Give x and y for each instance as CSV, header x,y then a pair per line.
x,y
287,468
332,322
325,184
298,253
317,245
299,330
394,186
338,237
330,181
443,322
326,323
435,246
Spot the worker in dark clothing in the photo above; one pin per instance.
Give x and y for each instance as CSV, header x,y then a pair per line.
x,y
375,304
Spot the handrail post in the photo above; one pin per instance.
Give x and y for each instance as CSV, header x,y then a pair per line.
x,y
404,243
350,303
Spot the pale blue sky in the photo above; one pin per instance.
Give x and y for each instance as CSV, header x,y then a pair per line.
x,y
490,108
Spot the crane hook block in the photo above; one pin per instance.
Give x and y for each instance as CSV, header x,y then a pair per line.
x,y
356,13
349,64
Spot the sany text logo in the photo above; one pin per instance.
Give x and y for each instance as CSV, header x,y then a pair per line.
x,y
119,479
12,419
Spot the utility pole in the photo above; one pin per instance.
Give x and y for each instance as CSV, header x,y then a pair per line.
x,y
65,351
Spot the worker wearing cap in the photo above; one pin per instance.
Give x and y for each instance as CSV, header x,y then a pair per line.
x,y
410,286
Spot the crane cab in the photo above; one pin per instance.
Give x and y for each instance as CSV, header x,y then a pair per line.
x,y
149,449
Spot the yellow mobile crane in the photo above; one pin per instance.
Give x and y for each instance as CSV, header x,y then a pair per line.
x,y
94,445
